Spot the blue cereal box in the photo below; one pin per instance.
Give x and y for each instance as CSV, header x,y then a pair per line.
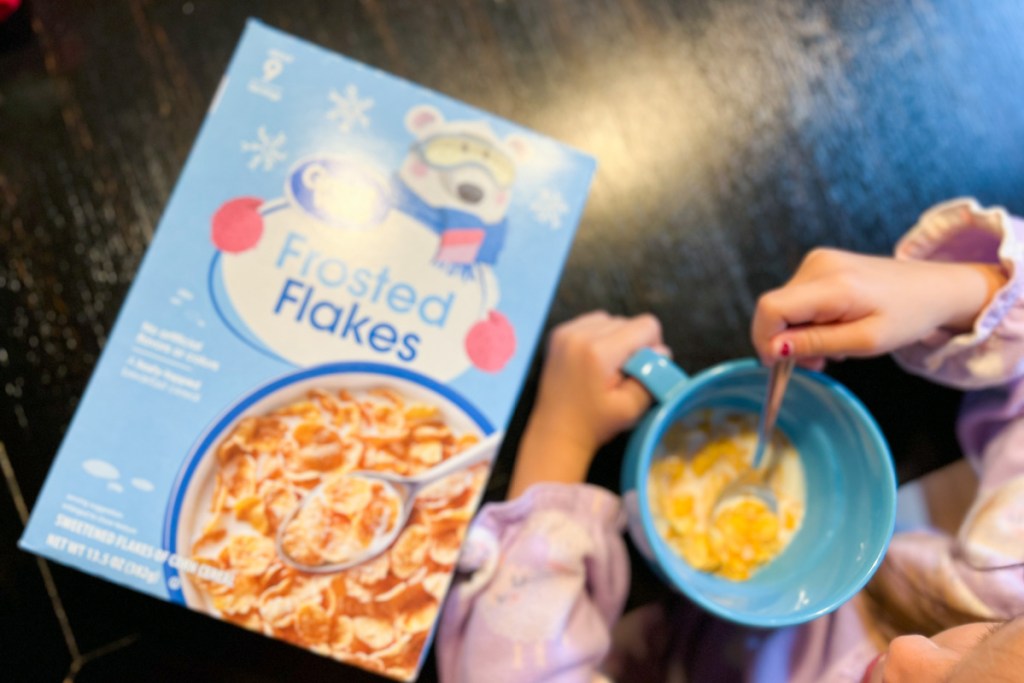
x,y
297,410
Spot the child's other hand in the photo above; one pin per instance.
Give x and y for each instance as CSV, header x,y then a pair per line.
x,y
841,304
584,399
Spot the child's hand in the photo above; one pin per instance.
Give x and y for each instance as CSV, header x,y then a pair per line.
x,y
841,304
584,399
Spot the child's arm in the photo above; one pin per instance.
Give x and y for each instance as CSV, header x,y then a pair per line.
x,y
955,279
584,399
841,304
545,575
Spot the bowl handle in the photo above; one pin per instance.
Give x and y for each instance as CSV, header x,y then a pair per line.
x,y
656,372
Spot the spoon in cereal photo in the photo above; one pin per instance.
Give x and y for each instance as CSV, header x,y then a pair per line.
x,y
353,517
752,487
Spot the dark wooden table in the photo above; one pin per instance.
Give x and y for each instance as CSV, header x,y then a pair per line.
x,y
731,135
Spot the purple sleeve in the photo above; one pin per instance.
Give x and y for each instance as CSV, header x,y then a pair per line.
x,y
938,579
993,352
978,575
541,581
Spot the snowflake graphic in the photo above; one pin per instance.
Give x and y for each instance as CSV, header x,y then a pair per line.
x,y
349,109
549,208
266,150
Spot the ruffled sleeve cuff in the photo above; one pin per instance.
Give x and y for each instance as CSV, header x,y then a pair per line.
x,y
993,351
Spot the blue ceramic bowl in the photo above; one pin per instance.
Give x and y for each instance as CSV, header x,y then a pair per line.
x,y
850,498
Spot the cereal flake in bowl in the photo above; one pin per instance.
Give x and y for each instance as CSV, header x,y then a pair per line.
x,y
703,454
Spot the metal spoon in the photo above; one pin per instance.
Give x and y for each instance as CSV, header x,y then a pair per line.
x,y
406,489
754,482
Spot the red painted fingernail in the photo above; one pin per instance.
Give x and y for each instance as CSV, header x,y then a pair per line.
x,y
785,349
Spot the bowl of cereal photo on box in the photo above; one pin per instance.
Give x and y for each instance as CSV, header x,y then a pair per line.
x,y
277,483
834,486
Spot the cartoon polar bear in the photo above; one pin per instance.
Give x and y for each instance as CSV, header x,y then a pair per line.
x,y
455,181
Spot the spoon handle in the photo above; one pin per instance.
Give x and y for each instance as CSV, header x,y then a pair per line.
x,y
478,452
777,382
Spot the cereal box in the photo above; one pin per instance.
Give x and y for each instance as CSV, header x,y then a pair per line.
x,y
295,415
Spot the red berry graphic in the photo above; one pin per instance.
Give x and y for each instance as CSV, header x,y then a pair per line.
x,y
490,343
237,225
